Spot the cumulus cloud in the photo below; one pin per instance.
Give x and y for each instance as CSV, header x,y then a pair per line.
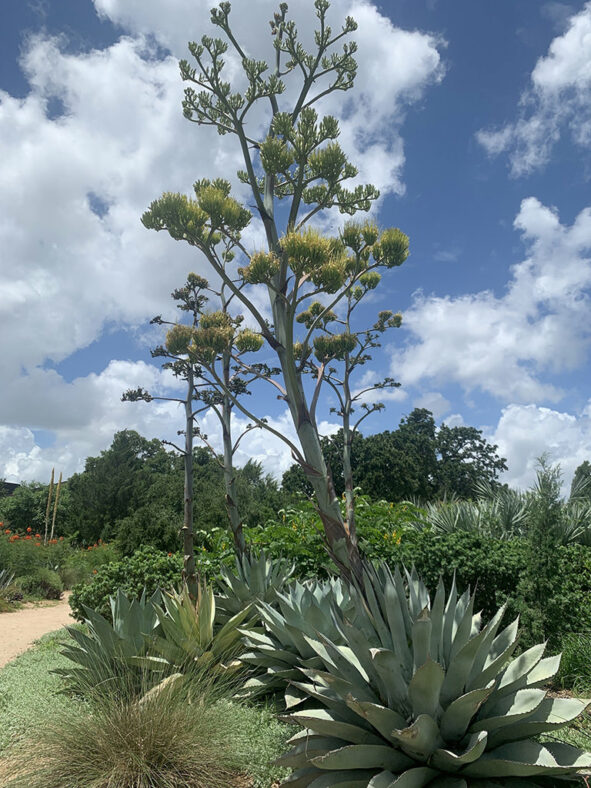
x,y
525,432
73,186
557,101
509,345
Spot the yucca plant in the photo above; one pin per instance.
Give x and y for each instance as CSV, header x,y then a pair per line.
x,y
189,641
256,578
439,703
102,657
277,650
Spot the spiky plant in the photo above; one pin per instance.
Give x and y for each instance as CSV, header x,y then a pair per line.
x,y
439,703
277,650
189,640
102,657
256,578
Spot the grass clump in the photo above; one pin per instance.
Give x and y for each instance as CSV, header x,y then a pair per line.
x,y
575,665
182,734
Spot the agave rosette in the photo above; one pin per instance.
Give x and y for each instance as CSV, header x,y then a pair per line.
x,y
278,649
439,702
255,578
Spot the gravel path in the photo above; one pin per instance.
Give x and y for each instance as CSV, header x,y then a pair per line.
x,y
20,629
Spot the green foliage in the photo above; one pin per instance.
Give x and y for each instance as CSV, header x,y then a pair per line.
x,y
103,657
543,588
415,461
254,578
42,582
35,715
428,698
191,639
575,665
277,651
147,569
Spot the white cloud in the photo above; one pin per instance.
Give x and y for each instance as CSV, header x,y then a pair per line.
x,y
435,402
509,345
558,100
525,432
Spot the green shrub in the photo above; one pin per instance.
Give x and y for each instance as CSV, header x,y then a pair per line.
x,y
489,566
146,569
42,582
79,566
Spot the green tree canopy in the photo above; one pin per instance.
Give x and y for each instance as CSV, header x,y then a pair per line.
x,y
417,460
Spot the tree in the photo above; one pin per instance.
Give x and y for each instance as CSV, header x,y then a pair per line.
x,y
300,161
415,461
113,485
465,459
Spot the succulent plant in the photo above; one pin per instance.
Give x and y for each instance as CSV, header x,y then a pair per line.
x,y
189,639
256,578
438,703
103,655
277,650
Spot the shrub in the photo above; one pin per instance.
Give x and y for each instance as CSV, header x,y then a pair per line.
x,y
42,582
146,569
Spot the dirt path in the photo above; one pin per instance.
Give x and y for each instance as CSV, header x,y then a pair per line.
x,y
20,629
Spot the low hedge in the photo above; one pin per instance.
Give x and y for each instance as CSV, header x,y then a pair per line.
x,y
147,568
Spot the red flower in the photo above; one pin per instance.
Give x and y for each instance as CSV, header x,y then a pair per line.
x,y
29,536
89,547
37,536
29,529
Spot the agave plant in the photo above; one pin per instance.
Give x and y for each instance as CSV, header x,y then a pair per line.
x,y
277,649
103,656
439,703
256,578
189,640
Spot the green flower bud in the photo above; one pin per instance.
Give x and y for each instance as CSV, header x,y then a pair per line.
x,y
370,280
392,248
248,341
262,268
178,340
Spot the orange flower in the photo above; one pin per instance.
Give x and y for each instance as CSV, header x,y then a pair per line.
x,y
61,538
170,554
28,537
29,529
94,571
37,544
89,547
37,536
7,530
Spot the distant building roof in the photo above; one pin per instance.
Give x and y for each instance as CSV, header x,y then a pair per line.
x,y
9,487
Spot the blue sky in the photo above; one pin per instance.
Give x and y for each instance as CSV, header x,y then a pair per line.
x,y
473,119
